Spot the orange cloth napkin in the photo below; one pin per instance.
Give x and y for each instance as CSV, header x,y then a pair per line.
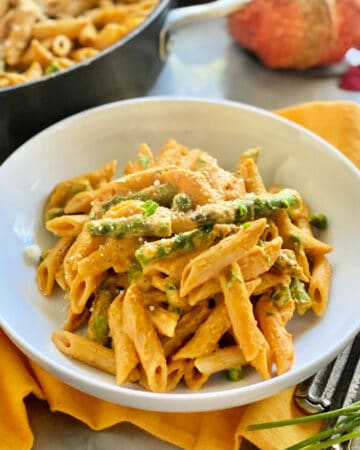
x,y
339,123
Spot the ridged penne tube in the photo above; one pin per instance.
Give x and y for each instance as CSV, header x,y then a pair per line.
x,y
39,53
260,259
172,153
204,291
80,203
319,285
114,253
58,8
301,217
4,6
34,71
176,371
154,297
47,269
249,153
84,245
186,327
294,235
126,356
191,183
60,278
212,287
20,33
271,231
69,27
67,225
138,327
240,310
87,36
220,359
81,289
207,335
269,280
223,181
210,262
109,34
163,320
125,208
251,176
262,362
144,160
80,54
67,189
173,266
74,321
272,321
193,378
85,350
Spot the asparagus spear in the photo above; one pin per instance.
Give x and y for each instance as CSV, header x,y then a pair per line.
x,y
181,243
302,299
238,211
286,262
281,295
162,194
98,327
135,225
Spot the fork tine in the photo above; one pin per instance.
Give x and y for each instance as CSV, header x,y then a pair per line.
x,y
329,387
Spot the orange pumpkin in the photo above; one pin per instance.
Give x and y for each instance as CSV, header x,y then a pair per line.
x,y
297,33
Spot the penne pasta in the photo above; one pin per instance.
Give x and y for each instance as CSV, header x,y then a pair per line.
x,y
85,350
143,335
126,357
220,359
49,266
244,326
272,321
212,261
207,335
179,269
67,225
319,285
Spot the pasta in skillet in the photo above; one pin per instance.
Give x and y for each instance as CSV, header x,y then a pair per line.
x,y
180,269
40,38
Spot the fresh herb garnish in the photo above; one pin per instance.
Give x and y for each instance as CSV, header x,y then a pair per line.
x,y
345,428
245,225
149,207
234,277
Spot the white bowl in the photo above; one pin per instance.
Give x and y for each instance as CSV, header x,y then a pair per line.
x,y
291,156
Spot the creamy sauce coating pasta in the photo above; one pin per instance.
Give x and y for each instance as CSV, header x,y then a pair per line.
x,y
181,269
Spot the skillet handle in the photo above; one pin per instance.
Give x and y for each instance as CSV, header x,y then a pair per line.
x,y
188,14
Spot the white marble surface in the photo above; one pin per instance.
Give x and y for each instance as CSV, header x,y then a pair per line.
x,y
203,62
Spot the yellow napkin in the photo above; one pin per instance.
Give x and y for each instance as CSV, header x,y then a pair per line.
x,y
339,123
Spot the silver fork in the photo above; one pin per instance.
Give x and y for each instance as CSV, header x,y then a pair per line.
x,y
334,386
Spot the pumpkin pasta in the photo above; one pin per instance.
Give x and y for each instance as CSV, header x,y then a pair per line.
x,y
175,276
38,39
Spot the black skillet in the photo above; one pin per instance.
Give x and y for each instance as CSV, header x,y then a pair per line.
x,y
124,70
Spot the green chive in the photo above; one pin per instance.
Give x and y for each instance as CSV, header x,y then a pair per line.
x,y
149,207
